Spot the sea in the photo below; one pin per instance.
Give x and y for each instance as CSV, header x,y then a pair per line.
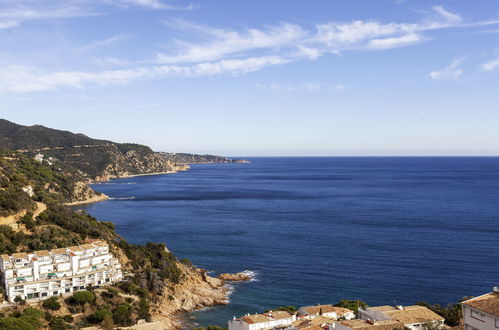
x,y
385,230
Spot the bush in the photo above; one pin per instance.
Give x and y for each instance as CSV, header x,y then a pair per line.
x,y
52,303
57,324
11,323
121,315
68,318
99,316
48,316
82,297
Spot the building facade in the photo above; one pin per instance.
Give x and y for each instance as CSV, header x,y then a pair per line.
x,y
43,274
482,313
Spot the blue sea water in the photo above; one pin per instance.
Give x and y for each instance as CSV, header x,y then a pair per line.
x,y
317,230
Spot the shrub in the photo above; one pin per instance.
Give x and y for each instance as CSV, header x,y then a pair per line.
x,y
353,305
52,304
68,318
48,316
12,323
57,323
121,315
82,297
99,316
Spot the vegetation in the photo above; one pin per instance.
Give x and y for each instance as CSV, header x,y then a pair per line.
x,y
289,309
353,305
83,297
52,303
452,312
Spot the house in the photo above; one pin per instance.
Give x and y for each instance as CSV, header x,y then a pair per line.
x,y
319,322
357,324
482,313
269,320
331,311
412,317
42,274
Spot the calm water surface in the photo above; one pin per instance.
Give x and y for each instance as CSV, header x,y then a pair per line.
x,y
316,230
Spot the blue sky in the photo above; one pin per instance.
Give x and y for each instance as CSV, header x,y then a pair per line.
x,y
259,77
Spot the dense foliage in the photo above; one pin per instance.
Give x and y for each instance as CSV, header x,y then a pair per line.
x,y
452,313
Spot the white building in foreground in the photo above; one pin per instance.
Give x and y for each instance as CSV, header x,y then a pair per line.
x,y
482,313
270,320
412,317
42,274
337,313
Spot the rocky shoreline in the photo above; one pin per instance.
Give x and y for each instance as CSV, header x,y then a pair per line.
x,y
198,290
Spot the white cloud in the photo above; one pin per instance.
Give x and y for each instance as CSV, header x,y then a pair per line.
x,y
447,15
8,24
157,4
228,42
491,65
453,71
402,41
13,17
22,79
307,86
101,43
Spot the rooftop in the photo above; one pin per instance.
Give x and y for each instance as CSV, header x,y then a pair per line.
x,y
21,255
414,314
488,303
311,310
59,251
255,318
42,253
279,315
379,325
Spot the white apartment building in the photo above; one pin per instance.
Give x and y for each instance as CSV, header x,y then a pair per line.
x,y
482,313
42,274
412,317
270,320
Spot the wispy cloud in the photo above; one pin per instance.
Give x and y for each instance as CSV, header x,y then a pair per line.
x,y
14,16
22,79
101,43
308,86
491,65
157,4
453,71
8,24
228,42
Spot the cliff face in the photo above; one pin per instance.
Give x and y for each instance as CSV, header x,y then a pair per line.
x,y
197,290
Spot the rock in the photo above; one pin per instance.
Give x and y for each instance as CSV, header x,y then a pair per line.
x,y
237,277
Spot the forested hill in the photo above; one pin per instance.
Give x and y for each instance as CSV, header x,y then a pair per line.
x,y
95,159
185,158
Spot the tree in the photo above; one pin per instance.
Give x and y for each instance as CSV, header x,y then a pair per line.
x,y
107,323
52,304
82,297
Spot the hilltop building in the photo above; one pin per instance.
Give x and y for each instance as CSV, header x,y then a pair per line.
x,y
310,312
482,313
270,320
412,317
42,274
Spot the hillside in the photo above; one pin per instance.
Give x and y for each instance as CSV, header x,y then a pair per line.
x,y
94,159
185,158
32,217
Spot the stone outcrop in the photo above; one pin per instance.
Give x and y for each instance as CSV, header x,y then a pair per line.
x,y
237,277
197,290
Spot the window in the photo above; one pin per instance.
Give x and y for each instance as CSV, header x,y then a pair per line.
x,y
497,323
477,315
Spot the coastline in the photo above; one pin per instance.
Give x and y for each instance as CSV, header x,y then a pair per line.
x,y
197,291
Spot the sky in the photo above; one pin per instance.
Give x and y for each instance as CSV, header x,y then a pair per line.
x,y
259,77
